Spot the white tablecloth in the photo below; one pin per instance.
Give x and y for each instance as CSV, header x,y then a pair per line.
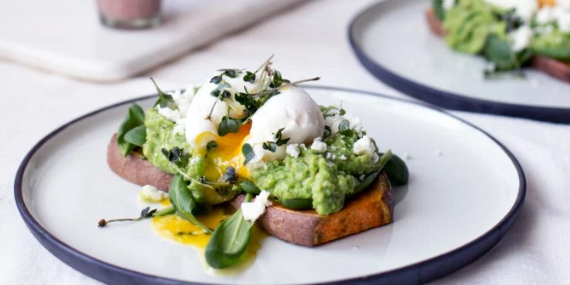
x,y
307,41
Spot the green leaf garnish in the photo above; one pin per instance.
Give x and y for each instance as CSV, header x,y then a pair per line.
x,y
270,146
216,79
249,77
230,176
145,214
164,100
211,145
228,125
134,118
248,187
230,240
136,136
247,152
183,202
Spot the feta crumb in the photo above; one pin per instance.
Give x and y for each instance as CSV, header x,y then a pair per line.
x,y
521,38
355,122
318,146
150,194
329,156
448,4
293,150
333,147
169,114
363,146
564,21
180,127
342,157
253,210
545,15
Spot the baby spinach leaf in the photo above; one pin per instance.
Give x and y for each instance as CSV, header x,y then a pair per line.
x,y
228,125
183,202
136,136
248,187
133,119
438,9
230,240
164,100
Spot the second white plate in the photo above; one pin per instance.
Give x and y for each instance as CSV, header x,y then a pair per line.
x,y
392,40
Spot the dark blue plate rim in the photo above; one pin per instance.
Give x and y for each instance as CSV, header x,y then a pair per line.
x,y
417,273
442,98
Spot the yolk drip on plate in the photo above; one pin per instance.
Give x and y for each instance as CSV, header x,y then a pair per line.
x,y
226,153
175,228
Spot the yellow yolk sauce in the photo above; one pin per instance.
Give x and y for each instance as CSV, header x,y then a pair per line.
x,y
227,153
174,228
542,3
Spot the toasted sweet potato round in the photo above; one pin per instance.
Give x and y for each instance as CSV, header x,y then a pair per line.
x,y
553,67
135,169
372,208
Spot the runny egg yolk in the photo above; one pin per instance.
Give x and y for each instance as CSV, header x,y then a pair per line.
x,y
226,153
543,3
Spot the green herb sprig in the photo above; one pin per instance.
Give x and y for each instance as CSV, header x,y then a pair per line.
x,y
279,141
145,214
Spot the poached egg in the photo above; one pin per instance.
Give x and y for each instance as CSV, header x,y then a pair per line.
x,y
292,111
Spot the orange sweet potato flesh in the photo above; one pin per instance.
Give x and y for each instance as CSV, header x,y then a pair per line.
x,y
372,208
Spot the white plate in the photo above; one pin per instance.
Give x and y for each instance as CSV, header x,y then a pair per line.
x,y
393,42
464,192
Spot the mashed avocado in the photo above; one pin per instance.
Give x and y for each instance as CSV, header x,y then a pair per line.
x,y
160,135
469,23
554,44
325,179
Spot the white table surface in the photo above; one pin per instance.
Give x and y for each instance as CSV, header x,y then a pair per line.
x,y
308,41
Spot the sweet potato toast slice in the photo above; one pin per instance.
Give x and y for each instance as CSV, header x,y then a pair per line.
x,y
550,66
434,23
553,67
372,208
135,169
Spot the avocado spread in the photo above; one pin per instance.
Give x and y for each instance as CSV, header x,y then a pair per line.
x,y
324,179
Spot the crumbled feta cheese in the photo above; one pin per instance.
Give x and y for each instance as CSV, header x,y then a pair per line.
x,y
342,157
545,15
329,156
564,21
333,147
180,127
318,146
169,114
334,121
448,4
253,210
521,38
355,122
293,150
149,193
363,146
